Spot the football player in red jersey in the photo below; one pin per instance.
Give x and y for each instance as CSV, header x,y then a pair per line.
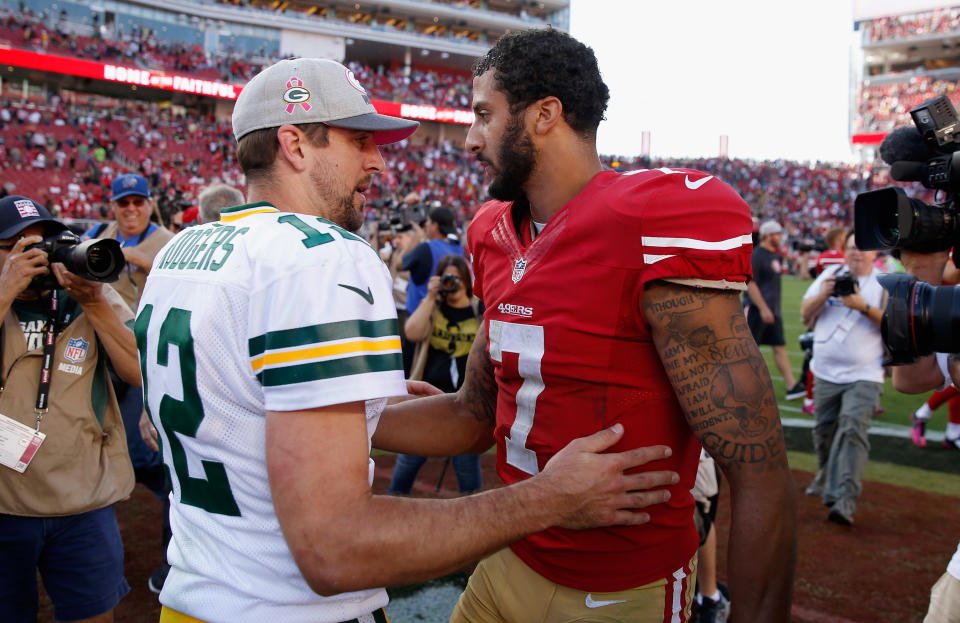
x,y
612,298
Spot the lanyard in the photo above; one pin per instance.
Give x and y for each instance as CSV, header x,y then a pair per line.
x,y
46,370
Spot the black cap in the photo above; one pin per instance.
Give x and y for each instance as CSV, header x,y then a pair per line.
x,y
17,213
443,217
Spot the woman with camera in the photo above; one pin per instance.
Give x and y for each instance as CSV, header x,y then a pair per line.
x,y
444,326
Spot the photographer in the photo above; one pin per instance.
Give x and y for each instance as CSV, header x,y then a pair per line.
x,y
925,374
443,326
847,304
58,339
441,239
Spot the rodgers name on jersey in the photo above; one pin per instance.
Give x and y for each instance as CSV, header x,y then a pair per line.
x,y
263,311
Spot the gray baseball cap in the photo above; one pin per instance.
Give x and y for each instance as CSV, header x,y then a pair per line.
x,y
313,90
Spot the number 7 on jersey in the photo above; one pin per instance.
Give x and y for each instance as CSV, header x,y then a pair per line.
x,y
526,341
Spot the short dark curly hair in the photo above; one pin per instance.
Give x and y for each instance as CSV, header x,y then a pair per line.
x,y
532,64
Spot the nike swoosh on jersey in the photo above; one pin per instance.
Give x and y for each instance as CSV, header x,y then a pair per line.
x,y
367,295
599,603
695,185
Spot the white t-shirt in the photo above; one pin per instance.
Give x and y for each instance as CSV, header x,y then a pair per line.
x,y
847,346
263,310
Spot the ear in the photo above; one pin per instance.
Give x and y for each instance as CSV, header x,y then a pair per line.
x,y
292,146
547,112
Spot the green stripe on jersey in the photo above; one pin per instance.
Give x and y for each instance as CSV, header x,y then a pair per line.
x,y
332,368
318,333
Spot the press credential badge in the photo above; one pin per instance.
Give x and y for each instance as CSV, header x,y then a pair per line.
x,y
18,443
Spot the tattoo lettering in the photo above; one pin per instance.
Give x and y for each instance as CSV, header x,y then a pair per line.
x,y
717,372
726,449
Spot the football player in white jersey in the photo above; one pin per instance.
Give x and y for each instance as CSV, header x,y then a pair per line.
x,y
269,346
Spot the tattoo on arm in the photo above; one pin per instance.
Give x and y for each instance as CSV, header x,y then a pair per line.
x,y
716,370
478,395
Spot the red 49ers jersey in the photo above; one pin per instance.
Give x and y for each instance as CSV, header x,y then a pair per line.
x,y
573,352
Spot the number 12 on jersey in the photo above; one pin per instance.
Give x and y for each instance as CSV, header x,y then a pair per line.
x,y
182,417
526,341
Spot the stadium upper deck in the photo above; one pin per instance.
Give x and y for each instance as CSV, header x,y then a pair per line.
x,y
907,59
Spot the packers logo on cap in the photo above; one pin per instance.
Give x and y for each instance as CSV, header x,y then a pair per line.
x,y
296,94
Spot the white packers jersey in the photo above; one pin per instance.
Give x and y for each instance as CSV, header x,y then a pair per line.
x,y
264,310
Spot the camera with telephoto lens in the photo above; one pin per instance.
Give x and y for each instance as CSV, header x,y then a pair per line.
x,y
888,218
94,260
844,284
919,318
449,284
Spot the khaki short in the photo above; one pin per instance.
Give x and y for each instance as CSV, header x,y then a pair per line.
x,y
944,601
503,589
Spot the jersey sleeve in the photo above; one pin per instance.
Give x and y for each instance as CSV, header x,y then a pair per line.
x,y
326,333
695,228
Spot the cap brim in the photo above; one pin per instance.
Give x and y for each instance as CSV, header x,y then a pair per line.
x,y
127,193
385,129
50,226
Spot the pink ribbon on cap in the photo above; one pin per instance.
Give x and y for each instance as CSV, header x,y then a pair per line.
x,y
296,82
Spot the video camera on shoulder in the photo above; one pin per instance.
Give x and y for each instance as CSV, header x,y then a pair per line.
x,y
888,218
94,260
402,216
919,318
807,244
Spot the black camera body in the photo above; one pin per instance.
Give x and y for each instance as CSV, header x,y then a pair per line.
x,y
919,319
95,260
844,284
402,216
449,284
929,154
808,244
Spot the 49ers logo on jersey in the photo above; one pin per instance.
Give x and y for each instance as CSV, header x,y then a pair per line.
x,y
515,310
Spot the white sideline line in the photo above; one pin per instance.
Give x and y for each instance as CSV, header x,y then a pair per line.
x,y
882,429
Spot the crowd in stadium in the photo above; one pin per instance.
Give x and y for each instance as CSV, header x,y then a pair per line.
x,y
884,107
142,47
918,25
71,150
881,107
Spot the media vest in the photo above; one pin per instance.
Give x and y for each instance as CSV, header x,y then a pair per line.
x,y
83,463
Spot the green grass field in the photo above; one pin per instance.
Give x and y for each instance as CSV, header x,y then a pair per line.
x,y
897,406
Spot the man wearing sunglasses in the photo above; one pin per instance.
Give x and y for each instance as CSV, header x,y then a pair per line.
x,y
140,240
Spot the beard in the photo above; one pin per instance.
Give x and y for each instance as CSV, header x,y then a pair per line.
x,y
340,206
517,157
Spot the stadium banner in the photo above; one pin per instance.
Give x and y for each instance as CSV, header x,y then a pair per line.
x,y
197,86
117,73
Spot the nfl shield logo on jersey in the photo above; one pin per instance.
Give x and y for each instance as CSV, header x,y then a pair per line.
x,y
76,350
518,267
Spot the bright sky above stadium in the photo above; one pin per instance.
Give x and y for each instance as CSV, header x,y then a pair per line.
x,y
772,75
